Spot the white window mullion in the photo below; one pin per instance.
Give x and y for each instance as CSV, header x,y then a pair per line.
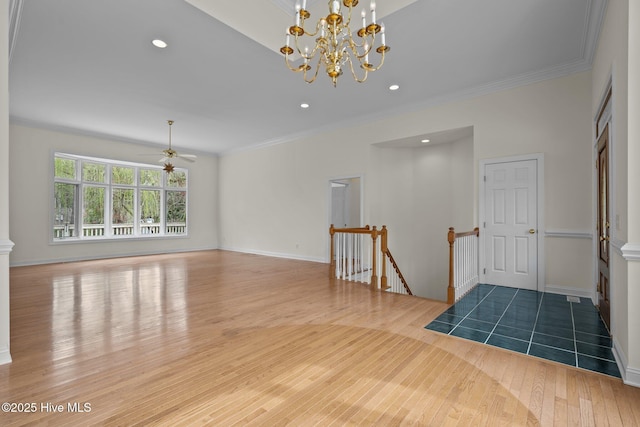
x,y
107,205
136,203
163,219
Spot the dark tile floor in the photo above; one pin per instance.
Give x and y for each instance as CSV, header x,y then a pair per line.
x,y
534,323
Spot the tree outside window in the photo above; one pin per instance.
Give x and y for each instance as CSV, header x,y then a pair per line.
x,y
100,198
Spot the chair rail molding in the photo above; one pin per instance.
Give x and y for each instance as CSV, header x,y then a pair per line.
x,y
571,234
6,246
631,251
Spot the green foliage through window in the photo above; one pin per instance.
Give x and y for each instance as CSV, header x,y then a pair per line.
x,y
122,202
96,198
176,206
64,209
177,179
150,206
122,175
92,172
65,168
150,177
93,205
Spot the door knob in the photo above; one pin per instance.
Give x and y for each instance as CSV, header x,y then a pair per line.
x,y
532,231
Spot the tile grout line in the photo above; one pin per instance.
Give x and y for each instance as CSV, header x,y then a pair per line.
x,y
535,323
471,311
573,327
502,315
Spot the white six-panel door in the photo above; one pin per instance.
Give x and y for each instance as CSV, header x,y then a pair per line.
x,y
511,224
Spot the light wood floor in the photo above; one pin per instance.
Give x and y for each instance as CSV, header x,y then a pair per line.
x,y
223,338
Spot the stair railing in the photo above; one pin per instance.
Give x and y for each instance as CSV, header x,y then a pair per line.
x,y
396,281
464,269
361,255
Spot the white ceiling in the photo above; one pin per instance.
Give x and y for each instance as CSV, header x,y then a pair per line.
x,y
89,66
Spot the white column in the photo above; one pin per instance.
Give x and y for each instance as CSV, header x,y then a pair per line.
x,y
5,243
632,249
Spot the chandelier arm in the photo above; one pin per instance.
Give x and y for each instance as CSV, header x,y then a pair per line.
x,y
368,40
355,75
315,74
354,48
309,55
307,33
347,23
376,68
288,62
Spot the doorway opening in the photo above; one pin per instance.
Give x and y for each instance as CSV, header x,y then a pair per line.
x,y
345,207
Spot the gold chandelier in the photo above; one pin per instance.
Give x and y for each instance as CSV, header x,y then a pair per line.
x,y
335,47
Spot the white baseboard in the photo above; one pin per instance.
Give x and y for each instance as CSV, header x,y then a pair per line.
x,y
275,254
630,376
122,255
5,357
566,290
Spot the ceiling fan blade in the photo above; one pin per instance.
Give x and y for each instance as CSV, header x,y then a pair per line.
x,y
188,159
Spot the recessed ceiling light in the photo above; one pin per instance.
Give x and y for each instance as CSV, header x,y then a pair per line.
x,y
424,141
159,43
304,105
394,87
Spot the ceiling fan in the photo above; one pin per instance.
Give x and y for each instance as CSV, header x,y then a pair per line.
x,y
170,153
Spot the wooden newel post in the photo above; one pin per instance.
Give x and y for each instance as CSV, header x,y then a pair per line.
x,y
383,251
374,277
451,293
332,255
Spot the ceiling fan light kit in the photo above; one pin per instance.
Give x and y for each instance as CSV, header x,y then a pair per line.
x,y
335,46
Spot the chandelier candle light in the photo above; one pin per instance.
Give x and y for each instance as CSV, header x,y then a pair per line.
x,y
335,46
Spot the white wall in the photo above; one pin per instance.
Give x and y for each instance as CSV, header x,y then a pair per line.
x,y
5,243
421,193
273,200
354,202
31,182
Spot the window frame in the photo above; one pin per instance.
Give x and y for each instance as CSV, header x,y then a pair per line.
x,y
109,187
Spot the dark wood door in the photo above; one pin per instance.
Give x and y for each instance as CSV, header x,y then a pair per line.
x,y
604,294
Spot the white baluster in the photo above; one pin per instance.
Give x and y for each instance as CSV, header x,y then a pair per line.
x,y
339,255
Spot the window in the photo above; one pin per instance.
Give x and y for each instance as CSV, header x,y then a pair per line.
x,y
108,199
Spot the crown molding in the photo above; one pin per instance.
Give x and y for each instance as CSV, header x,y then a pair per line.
x,y
15,13
469,93
595,16
288,6
34,124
